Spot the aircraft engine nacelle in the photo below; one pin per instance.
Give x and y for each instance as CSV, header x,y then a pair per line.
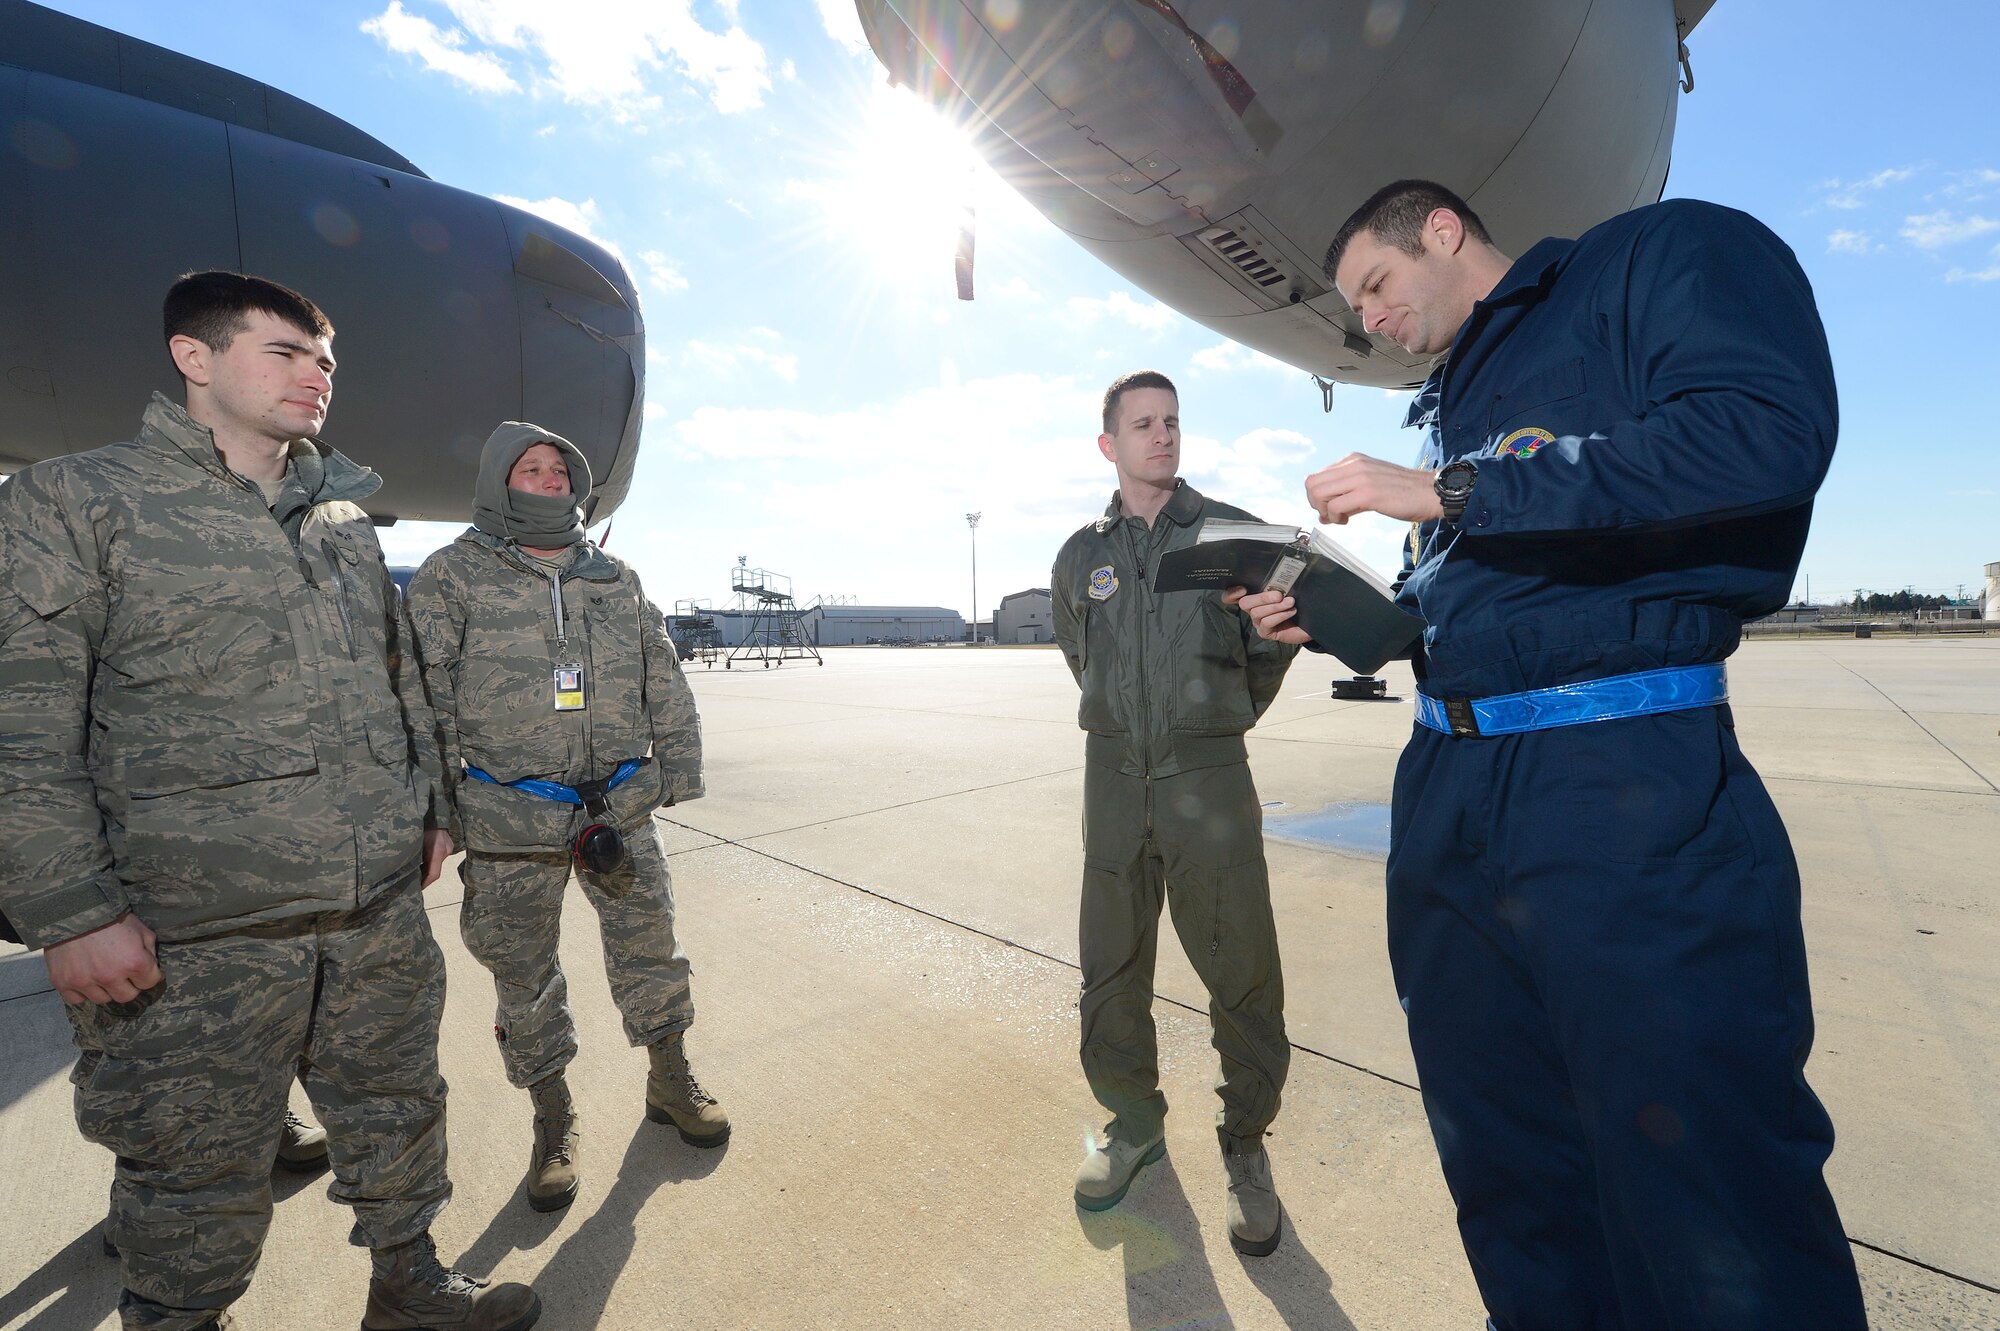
x,y
1208,151
123,165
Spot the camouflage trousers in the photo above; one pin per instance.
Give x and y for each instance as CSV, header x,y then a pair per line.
x,y
1193,842
511,922
187,1086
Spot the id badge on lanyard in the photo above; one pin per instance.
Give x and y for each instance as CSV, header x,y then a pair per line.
x,y
568,691
569,687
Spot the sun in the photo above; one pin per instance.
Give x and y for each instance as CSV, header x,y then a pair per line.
x,y
897,191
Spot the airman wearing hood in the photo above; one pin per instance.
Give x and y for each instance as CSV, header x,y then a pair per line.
x,y
549,671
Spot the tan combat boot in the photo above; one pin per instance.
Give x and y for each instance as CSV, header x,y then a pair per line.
x,y
411,1291
1107,1171
552,1164
302,1145
1253,1202
674,1096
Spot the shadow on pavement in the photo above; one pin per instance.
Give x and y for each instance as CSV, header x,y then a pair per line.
x,y
35,1034
84,1278
1297,1286
1168,1279
576,1283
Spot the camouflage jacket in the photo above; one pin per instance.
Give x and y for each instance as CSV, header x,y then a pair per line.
x,y
484,622
1171,681
206,717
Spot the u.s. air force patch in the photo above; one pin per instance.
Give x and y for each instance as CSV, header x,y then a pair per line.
x,y
1102,583
1524,443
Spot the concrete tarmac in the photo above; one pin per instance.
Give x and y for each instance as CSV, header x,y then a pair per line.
x,y
879,896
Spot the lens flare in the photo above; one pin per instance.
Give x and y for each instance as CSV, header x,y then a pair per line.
x,y
1384,21
430,235
336,226
42,143
1118,38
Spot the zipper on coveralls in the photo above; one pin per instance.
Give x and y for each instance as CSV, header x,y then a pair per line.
x,y
1138,558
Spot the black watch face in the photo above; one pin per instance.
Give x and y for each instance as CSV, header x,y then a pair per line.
x,y
1456,479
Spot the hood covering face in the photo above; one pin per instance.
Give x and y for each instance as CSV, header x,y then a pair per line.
x,y
545,522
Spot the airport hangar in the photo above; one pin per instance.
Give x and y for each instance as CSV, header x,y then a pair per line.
x,y
1023,617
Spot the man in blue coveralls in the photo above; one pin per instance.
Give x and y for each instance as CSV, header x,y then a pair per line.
x,y
1593,905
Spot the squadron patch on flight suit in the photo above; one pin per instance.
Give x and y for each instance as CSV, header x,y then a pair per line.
x,y
1102,583
1524,443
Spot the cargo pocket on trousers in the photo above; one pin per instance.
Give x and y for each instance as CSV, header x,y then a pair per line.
x,y
158,1238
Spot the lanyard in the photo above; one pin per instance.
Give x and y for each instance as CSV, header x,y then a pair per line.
x,y
556,602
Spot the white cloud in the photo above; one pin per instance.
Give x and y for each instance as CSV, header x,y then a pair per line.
x,y
843,23
1847,242
870,498
789,70
409,543
1974,184
663,272
581,218
1227,356
601,53
1019,424
1012,287
1936,231
1149,316
1850,194
727,360
440,49
1989,274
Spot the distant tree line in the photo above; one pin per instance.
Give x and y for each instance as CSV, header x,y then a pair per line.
x,y
1894,603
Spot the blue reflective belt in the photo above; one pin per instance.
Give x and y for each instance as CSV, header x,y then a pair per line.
x,y
1642,694
556,790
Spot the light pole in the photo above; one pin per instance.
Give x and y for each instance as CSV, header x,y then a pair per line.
x,y
972,522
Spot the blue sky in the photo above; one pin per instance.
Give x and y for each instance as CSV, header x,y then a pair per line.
x,y
818,400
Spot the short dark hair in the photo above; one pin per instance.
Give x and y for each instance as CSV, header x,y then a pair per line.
x,y
213,307
1124,384
1395,215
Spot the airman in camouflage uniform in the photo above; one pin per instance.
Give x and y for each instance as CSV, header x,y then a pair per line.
x,y
498,615
218,769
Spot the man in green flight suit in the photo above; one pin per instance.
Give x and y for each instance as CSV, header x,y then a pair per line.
x,y
565,721
1170,685
219,770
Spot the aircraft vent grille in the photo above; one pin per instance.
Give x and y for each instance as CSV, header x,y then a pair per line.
x,y
1243,256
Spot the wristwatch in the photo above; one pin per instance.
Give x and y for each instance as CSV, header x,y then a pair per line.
x,y
1454,487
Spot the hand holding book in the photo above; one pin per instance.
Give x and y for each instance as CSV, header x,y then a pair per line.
x,y
1340,603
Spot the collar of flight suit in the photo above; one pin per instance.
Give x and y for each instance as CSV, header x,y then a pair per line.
x,y
1183,507
1527,280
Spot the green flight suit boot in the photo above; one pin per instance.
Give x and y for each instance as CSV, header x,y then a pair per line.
x,y
412,1291
1107,1171
674,1096
552,1174
1253,1212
